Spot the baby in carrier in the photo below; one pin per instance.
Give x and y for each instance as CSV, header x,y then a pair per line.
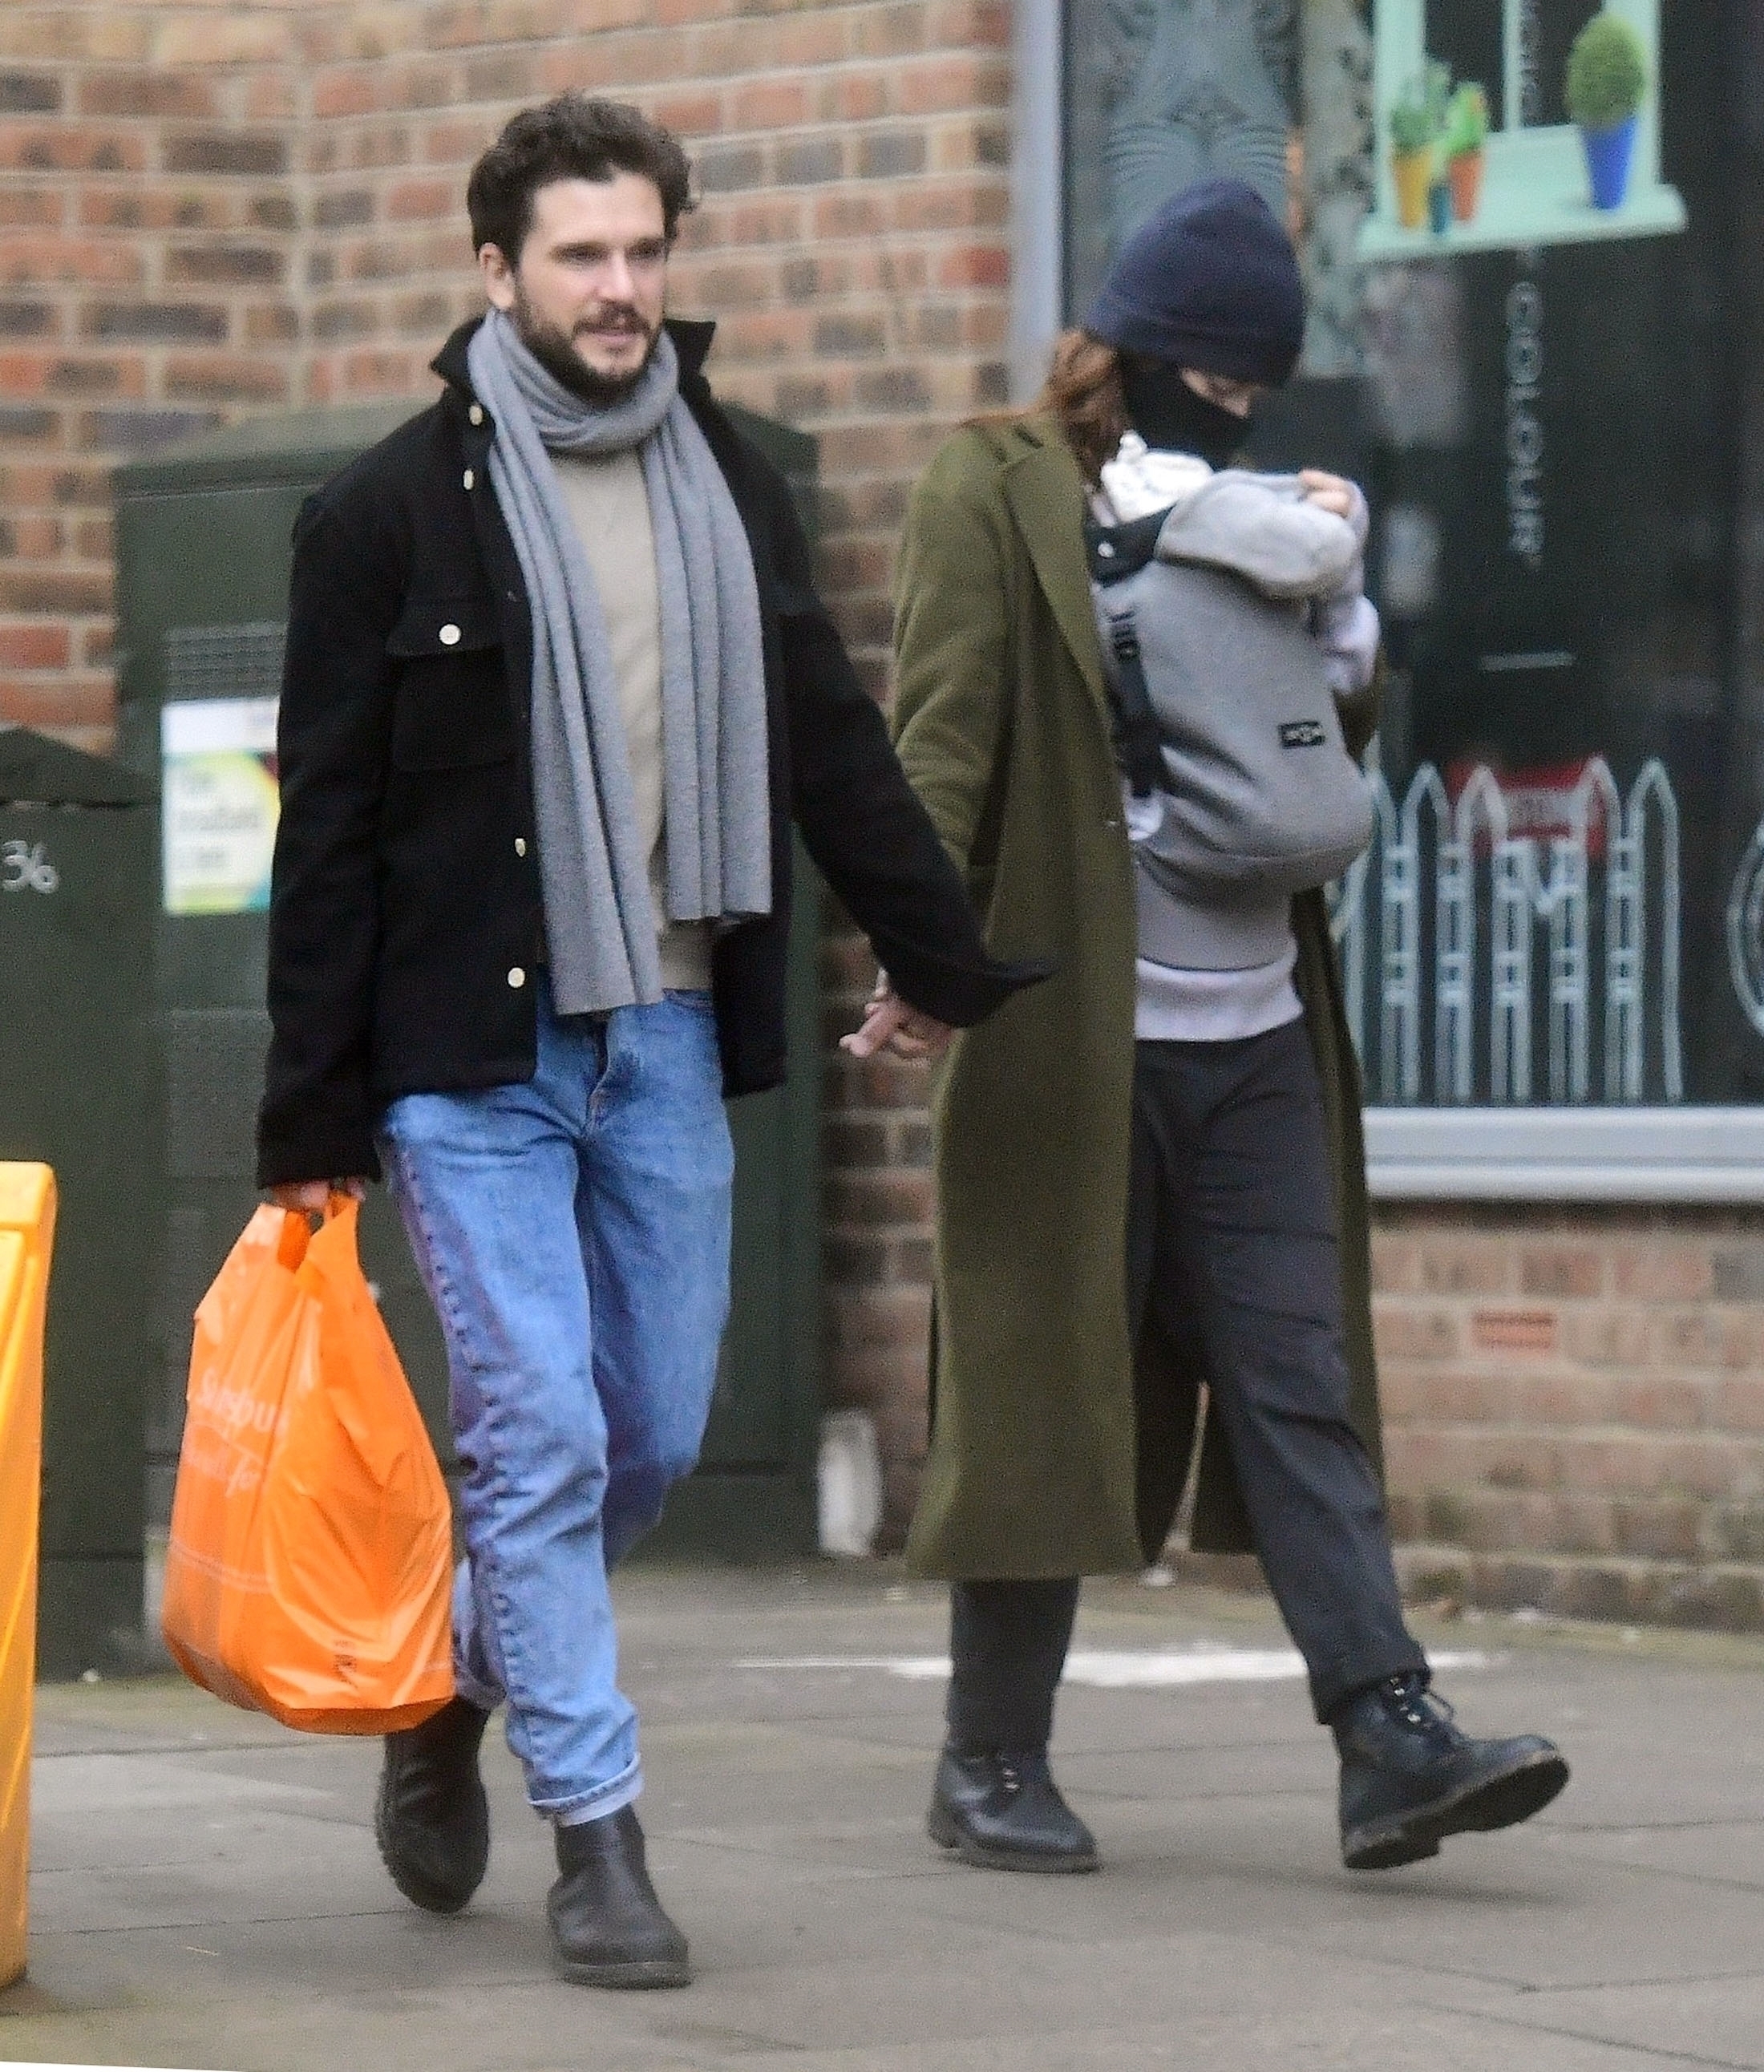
x,y
1233,616
1267,527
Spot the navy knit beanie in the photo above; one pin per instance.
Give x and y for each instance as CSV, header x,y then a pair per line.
x,y
1211,281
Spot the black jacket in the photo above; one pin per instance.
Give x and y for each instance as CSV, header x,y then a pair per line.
x,y
406,894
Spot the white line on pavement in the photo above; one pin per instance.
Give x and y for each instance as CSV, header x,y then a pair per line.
x,y
1109,1668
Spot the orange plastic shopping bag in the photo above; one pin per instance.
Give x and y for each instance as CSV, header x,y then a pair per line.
x,y
310,1570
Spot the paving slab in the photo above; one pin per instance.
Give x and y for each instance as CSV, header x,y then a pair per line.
x,y
206,1892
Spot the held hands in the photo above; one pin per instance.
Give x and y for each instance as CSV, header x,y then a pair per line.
x,y
890,1025
309,1197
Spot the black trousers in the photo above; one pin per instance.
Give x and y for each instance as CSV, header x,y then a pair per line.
x,y
1232,1258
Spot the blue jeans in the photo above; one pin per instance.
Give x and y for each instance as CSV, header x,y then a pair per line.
x,y
573,1233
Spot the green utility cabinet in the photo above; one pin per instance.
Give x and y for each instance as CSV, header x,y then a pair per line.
x,y
80,1090
203,564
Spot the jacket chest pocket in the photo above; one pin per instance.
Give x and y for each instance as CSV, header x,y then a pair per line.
x,y
450,708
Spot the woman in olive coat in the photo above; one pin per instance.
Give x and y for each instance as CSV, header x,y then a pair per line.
x,y
1063,1416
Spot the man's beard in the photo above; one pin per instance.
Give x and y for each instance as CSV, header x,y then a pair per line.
x,y
555,351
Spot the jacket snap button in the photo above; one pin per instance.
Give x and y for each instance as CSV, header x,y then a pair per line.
x,y
470,478
476,413
449,635
520,845
517,978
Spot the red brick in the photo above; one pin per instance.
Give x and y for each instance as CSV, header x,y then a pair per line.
x,y
30,208
225,378
355,91
147,93
1451,1264
854,97
67,149
28,539
892,1317
34,647
62,705
1515,1330
812,39
1406,1333
975,267
1606,1336
989,23
879,1199
55,591
890,31
417,199
36,262
945,84
1559,1270
1660,1270
767,104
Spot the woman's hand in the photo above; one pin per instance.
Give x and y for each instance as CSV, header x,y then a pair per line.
x,y
1328,492
890,1025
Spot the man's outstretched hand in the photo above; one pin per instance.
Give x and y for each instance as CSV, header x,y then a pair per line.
x,y
890,1025
311,1197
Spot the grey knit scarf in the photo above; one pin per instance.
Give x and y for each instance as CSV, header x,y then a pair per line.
x,y
600,920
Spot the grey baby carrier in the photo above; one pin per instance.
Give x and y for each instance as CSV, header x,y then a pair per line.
x,y
1223,702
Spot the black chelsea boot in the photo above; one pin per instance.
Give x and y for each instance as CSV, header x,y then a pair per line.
x,y
607,1926
431,1819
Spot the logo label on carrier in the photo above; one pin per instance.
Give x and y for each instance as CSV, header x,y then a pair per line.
x,y
1303,734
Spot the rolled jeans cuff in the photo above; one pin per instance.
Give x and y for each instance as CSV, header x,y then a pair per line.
x,y
603,1801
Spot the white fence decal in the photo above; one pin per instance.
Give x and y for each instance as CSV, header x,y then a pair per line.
x,y
1532,879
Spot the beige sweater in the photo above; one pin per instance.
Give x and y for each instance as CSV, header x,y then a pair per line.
x,y
610,506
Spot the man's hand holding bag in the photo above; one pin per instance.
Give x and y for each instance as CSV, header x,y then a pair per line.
x,y
309,1574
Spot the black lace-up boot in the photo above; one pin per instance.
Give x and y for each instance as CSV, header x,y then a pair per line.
x,y
607,1926
1004,1812
431,1819
1410,1777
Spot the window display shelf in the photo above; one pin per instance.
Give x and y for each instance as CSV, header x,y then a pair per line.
x,y
1535,192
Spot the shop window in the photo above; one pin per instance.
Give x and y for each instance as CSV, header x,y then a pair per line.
x,y
1540,382
1478,146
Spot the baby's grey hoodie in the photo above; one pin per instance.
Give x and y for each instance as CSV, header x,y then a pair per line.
x,y
1265,528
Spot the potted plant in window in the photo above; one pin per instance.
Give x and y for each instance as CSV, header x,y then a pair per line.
x,y
1466,136
1439,102
1411,155
1607,82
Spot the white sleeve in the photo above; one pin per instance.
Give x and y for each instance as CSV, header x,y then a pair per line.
x,y
1348,627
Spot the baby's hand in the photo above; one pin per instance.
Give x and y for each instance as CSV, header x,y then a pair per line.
x,y
1328,492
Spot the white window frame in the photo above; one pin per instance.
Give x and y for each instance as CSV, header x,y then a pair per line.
x,y
1712,1156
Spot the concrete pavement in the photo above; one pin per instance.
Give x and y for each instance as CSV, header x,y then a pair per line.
x,y
206,1892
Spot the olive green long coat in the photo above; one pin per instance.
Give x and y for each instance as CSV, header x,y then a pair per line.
x,y
1049,1456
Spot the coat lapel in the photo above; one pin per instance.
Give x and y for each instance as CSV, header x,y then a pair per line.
x,y
1046,494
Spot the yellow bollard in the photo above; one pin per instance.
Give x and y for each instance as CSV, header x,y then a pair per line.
x,y
27,1217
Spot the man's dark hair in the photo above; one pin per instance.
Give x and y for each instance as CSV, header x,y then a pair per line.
x,y
572,137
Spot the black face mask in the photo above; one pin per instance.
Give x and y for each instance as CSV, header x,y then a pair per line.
x,y
1170,417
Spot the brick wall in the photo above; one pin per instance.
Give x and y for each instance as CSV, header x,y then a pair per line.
x,y
212,209
148,226
1574,1408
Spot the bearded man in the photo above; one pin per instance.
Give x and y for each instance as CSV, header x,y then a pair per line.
x,y
558,683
